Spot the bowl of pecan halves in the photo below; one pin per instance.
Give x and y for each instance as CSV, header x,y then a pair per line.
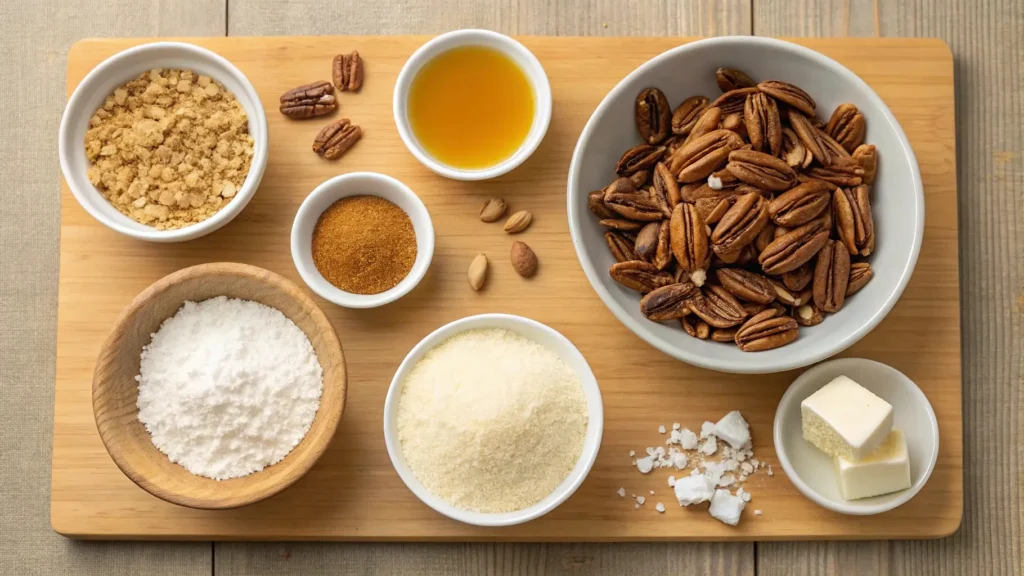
x,y
746,205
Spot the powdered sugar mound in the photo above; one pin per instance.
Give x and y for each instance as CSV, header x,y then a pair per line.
x,y
228,387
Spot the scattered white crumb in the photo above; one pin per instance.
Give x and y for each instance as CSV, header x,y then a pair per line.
x,y
671,480
660,507
709,446
726,480
640,499
661,429
652,492
706,429
754,462
714,182
698,277
637,506
687,439
770,473
675,425
632,495
621,492
747,468
632,453
679,460
730,465
746,496
757,512
644,465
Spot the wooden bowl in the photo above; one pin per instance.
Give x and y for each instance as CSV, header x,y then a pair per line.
x,y
115,391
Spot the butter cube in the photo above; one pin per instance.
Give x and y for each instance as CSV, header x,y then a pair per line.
x,y
885,470
845,419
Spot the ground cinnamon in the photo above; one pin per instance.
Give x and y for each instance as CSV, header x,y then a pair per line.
x,y
364,244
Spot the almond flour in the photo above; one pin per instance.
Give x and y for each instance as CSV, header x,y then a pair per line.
x,y
490,421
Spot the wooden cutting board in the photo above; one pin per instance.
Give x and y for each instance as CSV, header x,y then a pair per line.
x,y
353,493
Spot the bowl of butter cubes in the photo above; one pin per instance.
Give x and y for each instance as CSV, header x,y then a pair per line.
x,y
856,436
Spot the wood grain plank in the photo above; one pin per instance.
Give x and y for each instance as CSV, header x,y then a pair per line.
x,y
985,40
34,40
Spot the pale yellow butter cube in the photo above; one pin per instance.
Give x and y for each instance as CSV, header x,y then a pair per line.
x,y
883,471
845,419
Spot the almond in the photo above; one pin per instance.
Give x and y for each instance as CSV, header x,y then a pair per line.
x,y
493,209
518,222
523,259
478,272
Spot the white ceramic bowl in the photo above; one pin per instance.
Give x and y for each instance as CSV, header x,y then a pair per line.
x,y
357,184
125,66
542,334
812,471
511,48
898,198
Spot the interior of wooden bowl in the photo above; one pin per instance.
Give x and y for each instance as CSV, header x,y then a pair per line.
x,y
115,390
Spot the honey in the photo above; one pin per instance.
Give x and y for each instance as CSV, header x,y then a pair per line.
x,y
471,107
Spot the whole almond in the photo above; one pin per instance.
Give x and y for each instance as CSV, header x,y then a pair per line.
x,y
518,222
523,259
478,272
493,209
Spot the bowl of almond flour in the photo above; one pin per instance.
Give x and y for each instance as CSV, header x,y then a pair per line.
x,y
218,386
493,420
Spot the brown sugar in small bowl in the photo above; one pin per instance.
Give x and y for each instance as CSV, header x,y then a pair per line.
x,y
115,390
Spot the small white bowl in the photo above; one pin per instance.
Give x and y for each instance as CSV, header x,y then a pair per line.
x,y
812,471
511,48
547,337
125,66
359,184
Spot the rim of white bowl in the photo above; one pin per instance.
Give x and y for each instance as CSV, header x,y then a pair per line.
x,y
472,37
834,505
591,441
360,184
113,66
755,365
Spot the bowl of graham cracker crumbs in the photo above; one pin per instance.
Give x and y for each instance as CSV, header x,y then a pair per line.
x,y
164,142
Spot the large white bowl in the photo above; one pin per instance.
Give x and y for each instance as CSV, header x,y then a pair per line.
x,y
897,197
125,66
543,335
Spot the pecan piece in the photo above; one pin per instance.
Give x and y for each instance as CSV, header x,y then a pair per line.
x,y
746,285
702,156
347,71
712,209
653,115
867,156
638,275
668,302
765,331
839,173
800,204
761,170
785,296
696,327
793,248
733,101
831,277
309,100
631,203
707,122
621,224
741,224
789,94
718,307
764,127
640,178
595,202
797,280
810,136
688,237
663,249
724,334
854,224
793,150
685,116
765,237
860,274
647,242
665,186
847,127
807,314
336,138
639,157
729,79
734,122
620,247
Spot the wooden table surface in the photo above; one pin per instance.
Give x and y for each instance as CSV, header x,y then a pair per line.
x,y
988,51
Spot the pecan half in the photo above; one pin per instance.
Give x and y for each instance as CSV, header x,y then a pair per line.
x,y
746,285
336,138
807,314
810,137
696,327
793,248
685,116
860,274
724,334
639,157
620,247
718,307
867,156
347,71
765,331
740,225
636,205
653,115
797,280
793,150
732,102
831,277
707,122
712,209
702,156
764,127
689,239
854,224
789,94
309,100
839,174
621,224
761,170
668,302
647,241
595,202
800,204
731,79
847,127
665,186
641,276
